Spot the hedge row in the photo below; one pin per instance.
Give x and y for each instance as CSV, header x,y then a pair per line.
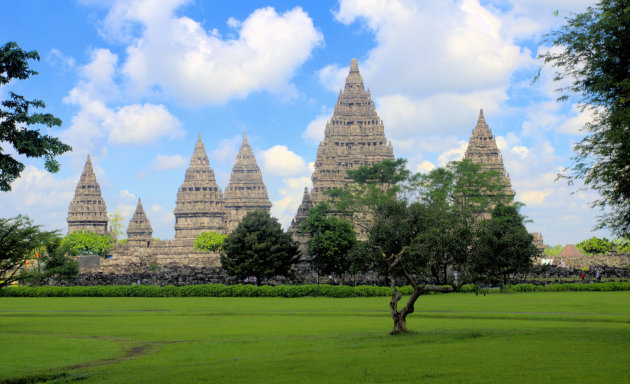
x,y
220,290
207,290
556,287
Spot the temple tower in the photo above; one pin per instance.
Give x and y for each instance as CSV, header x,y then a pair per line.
x,y
88,211
199,206
482,149
139,231
246,190
354,136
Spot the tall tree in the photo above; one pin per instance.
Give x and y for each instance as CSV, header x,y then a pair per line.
x,y
259,247
16,117
331,241
19,238
418,224
592,55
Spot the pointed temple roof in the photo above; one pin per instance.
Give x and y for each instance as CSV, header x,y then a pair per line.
x,y
139,231
246,190
87,211
354,136
302,212
199,206
482,149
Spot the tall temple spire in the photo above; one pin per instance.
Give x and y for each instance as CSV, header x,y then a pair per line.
x,y
199,206
139,231
246,190
482,149
87,211
354,136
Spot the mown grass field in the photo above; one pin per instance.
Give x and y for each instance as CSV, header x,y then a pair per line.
x,y
565,337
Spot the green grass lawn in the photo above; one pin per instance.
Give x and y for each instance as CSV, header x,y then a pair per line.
x,y
565,337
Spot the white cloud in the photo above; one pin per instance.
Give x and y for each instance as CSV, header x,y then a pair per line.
x,y
227,150
163,162
126,195
279,160
314,132
520,151
453,154
125,210
534,197
202,66
574,125
425,167
291,194
161,215
141,124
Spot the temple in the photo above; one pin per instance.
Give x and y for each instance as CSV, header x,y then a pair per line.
x,y
139,230
246,190
88,211
354,136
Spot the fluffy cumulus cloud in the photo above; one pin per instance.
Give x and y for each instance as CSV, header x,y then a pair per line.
x,y
291,193
42,196
203,66
280,161
97,124
314,132
163,162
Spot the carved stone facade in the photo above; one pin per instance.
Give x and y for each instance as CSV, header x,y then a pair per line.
x,y
139,231
354,136
482,149
199,206
246,191
88,211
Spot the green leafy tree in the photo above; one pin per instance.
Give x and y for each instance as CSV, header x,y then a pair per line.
x,y
16,117
505,248
209,241
53,263
259,247
19,239
116,226
418,226
592,55
596,246
331,241
81,242
553,251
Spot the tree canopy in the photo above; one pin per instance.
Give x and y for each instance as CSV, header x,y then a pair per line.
x,y
422,227
19,239
591,55
331,240
209,241
259,247
16,117
77,243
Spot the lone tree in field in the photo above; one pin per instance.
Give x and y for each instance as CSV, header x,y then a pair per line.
x,y
19,239
592,54
420,227
16,117
259,247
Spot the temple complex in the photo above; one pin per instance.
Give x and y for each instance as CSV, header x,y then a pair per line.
x,y
199,206
88,211
246,190
139,231
354,136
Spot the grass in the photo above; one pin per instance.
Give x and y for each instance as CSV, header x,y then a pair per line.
x,y
575,337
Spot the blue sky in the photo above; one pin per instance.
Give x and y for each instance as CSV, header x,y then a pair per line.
x,y
135,81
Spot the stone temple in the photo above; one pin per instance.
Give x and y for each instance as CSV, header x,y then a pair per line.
x,y
354,136
88,211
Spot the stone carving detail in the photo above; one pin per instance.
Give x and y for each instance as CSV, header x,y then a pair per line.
x,y
88,211
246,190
139,231
199,206
354,136
482,149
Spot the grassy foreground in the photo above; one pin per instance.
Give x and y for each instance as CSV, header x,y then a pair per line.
x,y
577,337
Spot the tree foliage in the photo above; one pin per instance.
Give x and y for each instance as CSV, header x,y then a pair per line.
x,y
259,247
209,241
504,248
16,117
592,54
85,242
330,242
595,246
19,239
422,227
116,226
